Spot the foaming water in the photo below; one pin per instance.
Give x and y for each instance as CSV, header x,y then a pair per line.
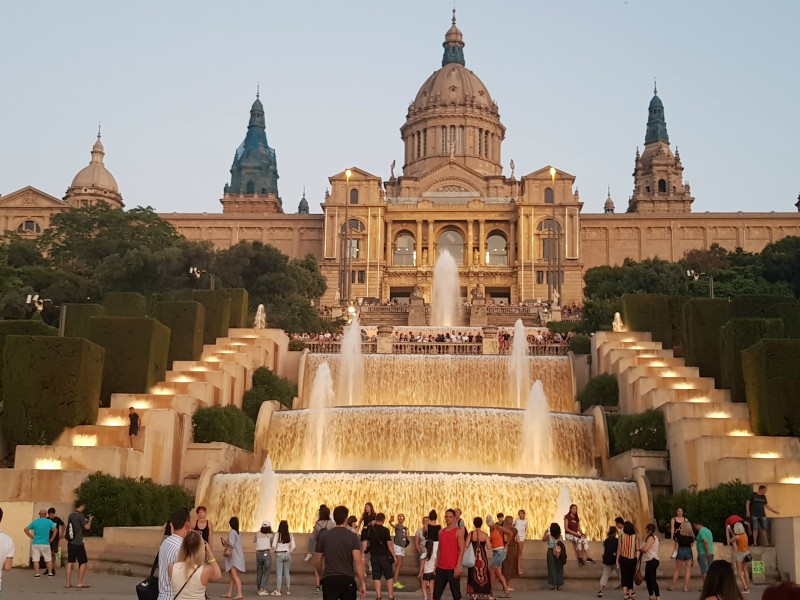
x,y
350,380
483,440
442,380
519,376
446,295
538,450
321,398
268,501
414,494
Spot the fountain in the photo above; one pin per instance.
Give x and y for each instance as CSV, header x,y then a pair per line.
x,y
537,434
350,375
321,398
268,501
260,322
446,291
518,371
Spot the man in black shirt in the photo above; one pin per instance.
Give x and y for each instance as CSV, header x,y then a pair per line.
x,y
340,549
756,508
51,514
381,552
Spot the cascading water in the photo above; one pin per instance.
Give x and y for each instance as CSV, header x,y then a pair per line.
x,y
268,503
536,454
519,377
321,399
350,376
446,291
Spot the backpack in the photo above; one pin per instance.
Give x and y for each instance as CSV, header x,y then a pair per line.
x,y
562,554
69,535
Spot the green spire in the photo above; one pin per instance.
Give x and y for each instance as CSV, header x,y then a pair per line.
x,y
656,125
453,45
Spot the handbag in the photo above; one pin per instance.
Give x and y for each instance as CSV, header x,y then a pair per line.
x,y
228,552
748,558
638,578
148,589
468,561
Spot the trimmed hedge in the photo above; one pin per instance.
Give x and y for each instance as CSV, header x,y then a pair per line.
x,y
136,353
21,327
755,305
711,507
128,502
644,431
125,304
296,345
580,344
737,335
51,383
224,424
648,312
218,313
267,386
76,318
185,321
602,390
240,307
772,383
790,315
675,309
702,318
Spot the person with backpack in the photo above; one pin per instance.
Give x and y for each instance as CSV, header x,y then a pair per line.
x,y
77,523
610,546
556,556
324,522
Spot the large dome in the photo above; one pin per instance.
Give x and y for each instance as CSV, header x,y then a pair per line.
x,y
453,85
96,175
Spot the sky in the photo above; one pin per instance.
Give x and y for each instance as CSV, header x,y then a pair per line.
x,y
172,82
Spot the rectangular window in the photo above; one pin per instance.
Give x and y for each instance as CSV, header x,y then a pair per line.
x,y
362,276
425,142
419,142
549,249
540,277
444,140
353,248
480,142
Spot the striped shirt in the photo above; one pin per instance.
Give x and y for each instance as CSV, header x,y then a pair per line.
x,y
628,544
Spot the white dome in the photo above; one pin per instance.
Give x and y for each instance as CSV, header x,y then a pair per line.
x,y
96,175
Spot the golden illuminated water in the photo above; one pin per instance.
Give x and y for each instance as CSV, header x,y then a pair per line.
x,y
545,499
409,438
446,380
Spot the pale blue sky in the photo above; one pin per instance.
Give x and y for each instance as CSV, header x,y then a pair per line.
x,y
173,81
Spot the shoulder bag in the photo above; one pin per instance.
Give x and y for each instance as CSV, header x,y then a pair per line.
x,y
468,561
637,576
148,589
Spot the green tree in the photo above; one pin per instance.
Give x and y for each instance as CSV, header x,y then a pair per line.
x,y
780,261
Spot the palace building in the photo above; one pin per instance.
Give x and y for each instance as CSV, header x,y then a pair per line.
x,y
518,238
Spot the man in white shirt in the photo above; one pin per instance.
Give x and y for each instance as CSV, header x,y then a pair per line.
x,y
6,553
168,552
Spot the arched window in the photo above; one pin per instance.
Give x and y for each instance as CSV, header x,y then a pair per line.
x,y
486,144
453,242
357,226
354,196
404,253
662,186
251,187
452,137
29,227
496,250
480,142
548,231
548,196
419,145
460,146
425,142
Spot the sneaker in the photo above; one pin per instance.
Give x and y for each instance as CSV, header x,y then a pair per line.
x,y
288,593
276,593
399,586
591,560
37,575
580,562
599,594
746,591
51,574
317,590
262,592
308,557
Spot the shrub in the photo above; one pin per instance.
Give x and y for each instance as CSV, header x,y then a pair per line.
x,y
710,507
648,312
296,345
702,318
128,502
224,424
675,310
580,344
137,350
790,315
51,383
125,304
564,327
644,431
738,335
185,321
76,318
253,399
772,384
240,309
755,305
602,390
274,387
218,313
22,327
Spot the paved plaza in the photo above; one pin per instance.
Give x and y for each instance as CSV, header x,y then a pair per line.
x,y
19,584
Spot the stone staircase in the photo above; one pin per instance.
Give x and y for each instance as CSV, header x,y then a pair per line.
x,y
708,437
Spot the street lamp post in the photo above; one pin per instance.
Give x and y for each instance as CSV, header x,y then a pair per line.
x,y
348,253
694,275
551,267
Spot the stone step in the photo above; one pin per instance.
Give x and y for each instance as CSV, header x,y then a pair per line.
x,y
620,361
118,462
220,379
676,410
182,403
101,436
758,471
660,396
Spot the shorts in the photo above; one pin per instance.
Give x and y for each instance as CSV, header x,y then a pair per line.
x,y
684,553
704,560
381,567
758,523
740,556
399,550
77,552
133,431
428,576
41,551
498,556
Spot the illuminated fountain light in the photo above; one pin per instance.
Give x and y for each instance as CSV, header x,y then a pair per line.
x,y
740,433
766,455
162,391
683,385
791,480
701,400
657,363
718,414
47,464
184,379
113,421
199,369
81,439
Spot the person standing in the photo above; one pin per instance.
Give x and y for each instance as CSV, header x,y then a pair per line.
x,y
521,525
380,551
742,549
419,546
194,568
705,548
263,542
77,523
340,551
684,560
6,553
627,551
400,541
324,522
451,552
573,533
133,425
555,560
610,545
431,554
283,545
511,563
41,531
497,543
649,551
54,549
204,526
179,525
479,579
674,526
756,510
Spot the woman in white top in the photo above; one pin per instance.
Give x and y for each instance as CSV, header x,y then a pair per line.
x,y
521,525
649,552
283,544
263,542
189,576
234,564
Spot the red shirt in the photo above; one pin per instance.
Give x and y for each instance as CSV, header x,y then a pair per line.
x,y
448,549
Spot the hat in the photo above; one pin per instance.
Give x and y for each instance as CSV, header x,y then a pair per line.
x,y
489,520
266,524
